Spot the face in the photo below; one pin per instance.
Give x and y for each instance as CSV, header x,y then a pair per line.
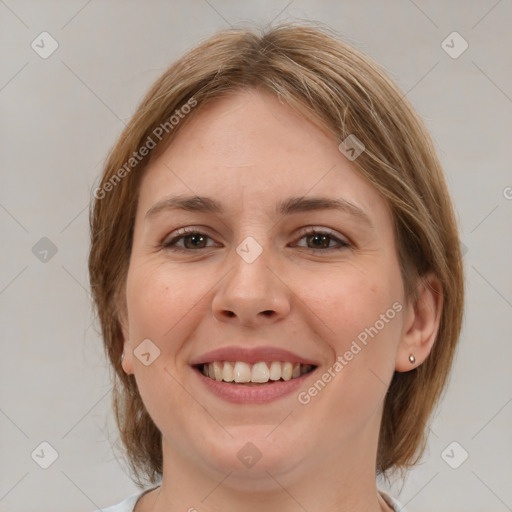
x,y
250,277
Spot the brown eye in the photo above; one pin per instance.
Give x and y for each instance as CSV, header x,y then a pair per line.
x,y
316,240
321,240
196,241
192,240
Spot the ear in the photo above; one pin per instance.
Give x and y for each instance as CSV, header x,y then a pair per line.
x,y
421,324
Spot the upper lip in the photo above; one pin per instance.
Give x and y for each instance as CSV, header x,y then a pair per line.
x,y
251,355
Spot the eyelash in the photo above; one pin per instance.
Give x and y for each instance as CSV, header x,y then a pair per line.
x,y
170,245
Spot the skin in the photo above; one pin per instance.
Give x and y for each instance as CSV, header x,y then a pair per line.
x,y
249,151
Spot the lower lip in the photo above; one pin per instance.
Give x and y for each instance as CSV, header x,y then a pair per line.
x,y
263,393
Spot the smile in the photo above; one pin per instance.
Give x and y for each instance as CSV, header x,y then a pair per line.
x,y
261,372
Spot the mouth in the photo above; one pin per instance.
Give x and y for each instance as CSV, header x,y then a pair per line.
x,y
253,374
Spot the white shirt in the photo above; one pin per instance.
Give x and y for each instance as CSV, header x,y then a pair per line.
x,y
129,503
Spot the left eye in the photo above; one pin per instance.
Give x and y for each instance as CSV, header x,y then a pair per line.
x,y
322,240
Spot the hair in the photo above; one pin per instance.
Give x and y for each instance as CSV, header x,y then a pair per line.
x,y
344,92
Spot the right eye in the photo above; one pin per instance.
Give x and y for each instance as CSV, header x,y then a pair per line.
x,y
192,240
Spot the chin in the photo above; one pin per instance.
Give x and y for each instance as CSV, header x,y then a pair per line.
x,y
251,454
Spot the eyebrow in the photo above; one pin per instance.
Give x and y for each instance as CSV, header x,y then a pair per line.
x,y
289,206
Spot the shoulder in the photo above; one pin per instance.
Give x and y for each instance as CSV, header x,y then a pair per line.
x,y
392,502
127,505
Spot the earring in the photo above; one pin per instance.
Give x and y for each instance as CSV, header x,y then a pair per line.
x,y
412,359
122,357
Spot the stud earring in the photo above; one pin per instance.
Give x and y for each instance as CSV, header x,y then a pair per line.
x,y
122,357
412,359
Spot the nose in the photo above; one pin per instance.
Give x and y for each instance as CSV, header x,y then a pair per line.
x,y
253,292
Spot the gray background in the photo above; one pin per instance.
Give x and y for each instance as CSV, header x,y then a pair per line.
x,y
60,116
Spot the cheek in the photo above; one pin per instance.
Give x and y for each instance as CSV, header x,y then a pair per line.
x,y
364,324
352,302
364,313
156,300
159,307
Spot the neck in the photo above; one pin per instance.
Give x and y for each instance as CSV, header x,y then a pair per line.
x,y
330,484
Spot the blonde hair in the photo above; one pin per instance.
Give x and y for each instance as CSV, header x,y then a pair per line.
x,y
345,92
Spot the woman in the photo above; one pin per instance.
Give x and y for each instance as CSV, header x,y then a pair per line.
x,y
276,268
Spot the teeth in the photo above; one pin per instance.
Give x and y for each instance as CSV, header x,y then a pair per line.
x,y
227,372
286,372
217,371
275,370
242,372
260,372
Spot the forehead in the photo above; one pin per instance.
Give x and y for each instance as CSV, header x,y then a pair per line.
x,y
248,150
